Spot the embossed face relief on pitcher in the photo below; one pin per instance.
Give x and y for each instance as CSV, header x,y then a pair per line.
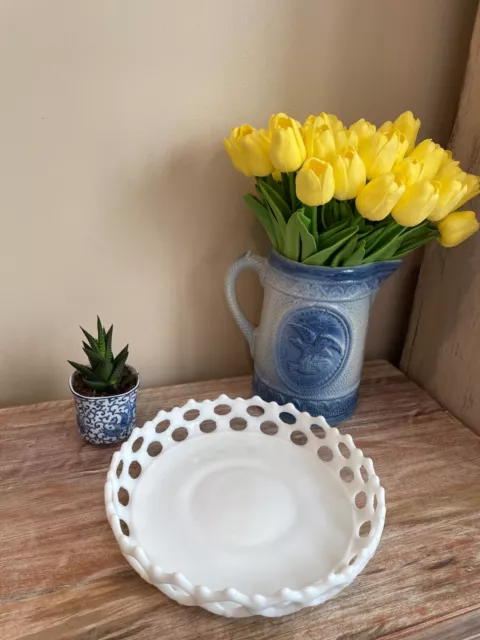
x,y
312,345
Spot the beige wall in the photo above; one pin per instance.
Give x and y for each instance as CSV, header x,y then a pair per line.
x,y
116,196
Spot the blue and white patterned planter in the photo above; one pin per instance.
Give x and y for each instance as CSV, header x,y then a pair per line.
x,y
309,346
106,420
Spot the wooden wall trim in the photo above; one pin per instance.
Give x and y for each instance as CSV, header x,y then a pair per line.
x,y
442,349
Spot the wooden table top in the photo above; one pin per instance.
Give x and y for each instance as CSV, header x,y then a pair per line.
x,y
62,576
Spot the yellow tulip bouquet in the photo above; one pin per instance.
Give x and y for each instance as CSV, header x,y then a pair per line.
x,y
340,197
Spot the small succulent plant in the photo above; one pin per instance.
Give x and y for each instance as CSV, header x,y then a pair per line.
x,y
105,373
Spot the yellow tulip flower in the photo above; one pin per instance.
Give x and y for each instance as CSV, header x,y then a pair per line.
x,y
447,158
328,119
363,129
386,127
315,182
407,124
287,149
349,174
450,171
256,149
408,170
457,227
345,139
234,149
472,183
249,150
451,193
431,155
416,204
381,151
319,141
376,200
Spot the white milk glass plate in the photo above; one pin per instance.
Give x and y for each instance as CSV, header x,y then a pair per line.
x,y
244,507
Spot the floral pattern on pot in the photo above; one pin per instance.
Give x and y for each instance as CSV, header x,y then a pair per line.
x,y
106,420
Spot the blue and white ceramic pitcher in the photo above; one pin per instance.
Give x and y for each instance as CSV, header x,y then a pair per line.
x,y
309,346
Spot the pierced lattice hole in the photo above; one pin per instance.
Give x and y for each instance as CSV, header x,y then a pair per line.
x,y
120,468
346,474
364,473
123,496
154,448
179,434
318,431
375,503
162,426
298,437
238,424
135,469
207,426
344,450
124,528
352,560
325,454
269,428
365,529
137,444
223,409
361,500
191,414
255,411
287,418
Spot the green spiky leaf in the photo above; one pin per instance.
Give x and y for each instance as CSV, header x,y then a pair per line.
x,y
119,368
121,356
101,337
106,370
108,344
91,340
93,357
84,371
98,386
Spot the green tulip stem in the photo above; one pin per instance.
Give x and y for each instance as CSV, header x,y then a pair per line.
x,y
293,196
314,211
322,218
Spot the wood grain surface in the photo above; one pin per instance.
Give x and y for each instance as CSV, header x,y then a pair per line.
x,y
443,343
62,576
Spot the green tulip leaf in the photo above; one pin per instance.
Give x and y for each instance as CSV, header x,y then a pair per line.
x,y
357,256
277,186
298,240
345,252
408,247
338,232
327,215
383,235
312,215
278,205
266,219
386,245
373,238
337,241
325,237
345,210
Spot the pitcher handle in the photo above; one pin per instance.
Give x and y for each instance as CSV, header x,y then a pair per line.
x,y
247,261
